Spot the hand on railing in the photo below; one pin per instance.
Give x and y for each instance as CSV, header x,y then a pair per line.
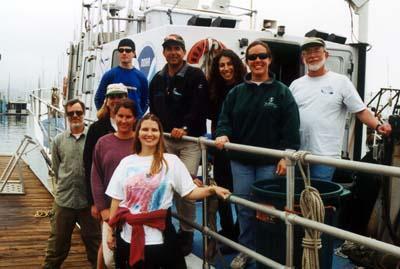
x,y
177,133
220,141
281,168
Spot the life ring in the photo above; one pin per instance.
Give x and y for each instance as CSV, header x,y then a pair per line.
x,y
202,47
203,52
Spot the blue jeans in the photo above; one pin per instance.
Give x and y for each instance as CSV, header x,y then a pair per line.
x,y
322,172
243,177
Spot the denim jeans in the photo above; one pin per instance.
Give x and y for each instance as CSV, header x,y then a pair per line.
x,y
243,177
322,172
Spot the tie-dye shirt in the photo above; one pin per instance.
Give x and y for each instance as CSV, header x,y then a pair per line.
x,y
140,192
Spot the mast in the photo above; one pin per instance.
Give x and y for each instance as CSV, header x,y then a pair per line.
x,y
8,88
361,8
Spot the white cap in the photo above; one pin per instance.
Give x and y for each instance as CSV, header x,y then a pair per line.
x,y
116,88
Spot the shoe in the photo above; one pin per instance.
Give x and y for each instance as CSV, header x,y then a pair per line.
x,y
240,261
185,242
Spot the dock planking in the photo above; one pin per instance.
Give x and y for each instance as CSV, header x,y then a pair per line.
x,y
23,237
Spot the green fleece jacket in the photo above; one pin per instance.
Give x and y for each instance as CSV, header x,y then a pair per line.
x,y
264,115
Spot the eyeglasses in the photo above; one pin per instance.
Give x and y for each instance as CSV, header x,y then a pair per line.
x,y
117,95
76,112
127,50
315,50
262,56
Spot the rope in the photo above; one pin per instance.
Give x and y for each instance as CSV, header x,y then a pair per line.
x,y
42,213
312,207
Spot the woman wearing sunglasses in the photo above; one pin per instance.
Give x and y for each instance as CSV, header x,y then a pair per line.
x,y
109,151
259,112
142,188
105,124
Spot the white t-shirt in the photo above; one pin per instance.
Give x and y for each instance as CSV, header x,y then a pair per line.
x,y
141,192
323,103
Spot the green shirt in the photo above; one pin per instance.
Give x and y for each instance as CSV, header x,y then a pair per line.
x,y
264,115
67,164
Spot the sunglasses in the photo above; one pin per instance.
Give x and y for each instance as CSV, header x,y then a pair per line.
x,y
121,50
76,112
262,56
117,95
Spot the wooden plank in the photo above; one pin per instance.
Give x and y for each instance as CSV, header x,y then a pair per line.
x,y
23,237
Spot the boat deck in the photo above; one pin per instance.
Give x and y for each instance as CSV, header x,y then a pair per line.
x,y
23,237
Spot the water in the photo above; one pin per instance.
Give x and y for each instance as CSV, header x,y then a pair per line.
x,y
13,128
12,131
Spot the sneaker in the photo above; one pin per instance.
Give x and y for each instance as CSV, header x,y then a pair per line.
x,y
185,240
240,261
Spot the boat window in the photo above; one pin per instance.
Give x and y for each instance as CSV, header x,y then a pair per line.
x,y
340,61
286,61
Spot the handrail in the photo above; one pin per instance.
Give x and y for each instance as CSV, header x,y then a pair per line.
x,y
377,169
205,230
342,234
289,218
291,156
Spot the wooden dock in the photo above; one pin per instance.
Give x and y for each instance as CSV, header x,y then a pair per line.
x,y
23,237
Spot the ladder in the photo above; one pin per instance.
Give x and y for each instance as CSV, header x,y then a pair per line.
x,y
14,186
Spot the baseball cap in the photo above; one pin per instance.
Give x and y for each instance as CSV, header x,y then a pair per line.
x,y
312,42
116,88
173,39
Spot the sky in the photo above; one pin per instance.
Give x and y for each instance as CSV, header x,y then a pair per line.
x,y
35,36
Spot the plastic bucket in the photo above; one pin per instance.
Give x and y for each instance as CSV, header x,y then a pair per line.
x,y
271,232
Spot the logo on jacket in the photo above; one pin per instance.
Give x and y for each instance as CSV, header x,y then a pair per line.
x,y
270,103
327,90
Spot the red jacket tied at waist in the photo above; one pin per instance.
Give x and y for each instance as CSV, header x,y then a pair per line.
x,y
154,219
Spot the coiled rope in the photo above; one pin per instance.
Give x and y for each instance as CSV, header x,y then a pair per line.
x,y
42,213
312,207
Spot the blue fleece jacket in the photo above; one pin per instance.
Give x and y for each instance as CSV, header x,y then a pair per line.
x,y
138,89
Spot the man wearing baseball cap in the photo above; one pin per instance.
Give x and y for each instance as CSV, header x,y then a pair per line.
x,y
178,96
125,73
324,98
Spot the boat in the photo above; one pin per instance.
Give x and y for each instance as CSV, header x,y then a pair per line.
x,y
205,29
17,107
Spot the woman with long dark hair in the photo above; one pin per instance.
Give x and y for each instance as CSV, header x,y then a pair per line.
x,y
142,189
227,71
109,151
260,112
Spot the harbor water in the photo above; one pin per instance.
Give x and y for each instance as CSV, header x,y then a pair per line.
x,y
13,128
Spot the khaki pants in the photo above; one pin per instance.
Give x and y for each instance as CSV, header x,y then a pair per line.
x,y
108,254
189,153
63,222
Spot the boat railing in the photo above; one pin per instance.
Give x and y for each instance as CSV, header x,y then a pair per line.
x,y
291,157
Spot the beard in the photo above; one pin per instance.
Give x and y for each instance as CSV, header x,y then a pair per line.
x,y
316,66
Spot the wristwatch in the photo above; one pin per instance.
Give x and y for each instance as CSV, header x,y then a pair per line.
x,y
185,128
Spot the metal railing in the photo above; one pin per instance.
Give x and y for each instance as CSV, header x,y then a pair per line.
x,y
290,219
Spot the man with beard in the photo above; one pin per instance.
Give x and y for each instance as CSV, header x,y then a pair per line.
x,y
71,196
324,97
